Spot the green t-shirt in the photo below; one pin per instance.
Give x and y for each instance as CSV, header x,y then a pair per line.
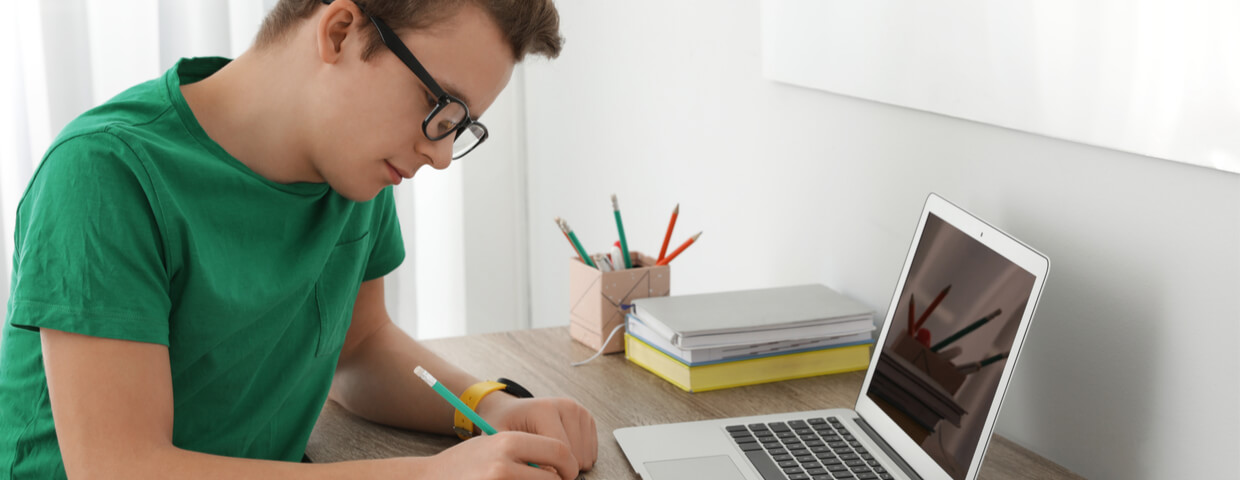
x,y
138,226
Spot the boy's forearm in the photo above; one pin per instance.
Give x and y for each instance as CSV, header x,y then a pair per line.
x,y
172,462
378,383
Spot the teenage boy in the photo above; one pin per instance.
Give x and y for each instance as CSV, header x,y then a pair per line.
x,y
199,262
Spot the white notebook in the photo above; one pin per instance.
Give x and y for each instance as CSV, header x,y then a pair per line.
x,y
750,316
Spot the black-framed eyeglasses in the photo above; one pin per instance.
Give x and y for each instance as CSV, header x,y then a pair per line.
x,y
450,115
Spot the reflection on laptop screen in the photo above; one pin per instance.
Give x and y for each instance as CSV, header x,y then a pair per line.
x,y
944,354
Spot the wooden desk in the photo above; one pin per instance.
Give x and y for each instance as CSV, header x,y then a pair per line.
x,y
619,395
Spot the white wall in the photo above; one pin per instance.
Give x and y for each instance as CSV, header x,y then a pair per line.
x,y
664,102
466,268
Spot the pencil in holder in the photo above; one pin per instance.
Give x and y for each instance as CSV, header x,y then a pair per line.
x,y
600,300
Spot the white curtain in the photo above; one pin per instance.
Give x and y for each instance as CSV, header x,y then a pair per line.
x,y
62,57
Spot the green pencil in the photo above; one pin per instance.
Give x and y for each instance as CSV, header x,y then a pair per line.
x,y
624,244
966,330
572,237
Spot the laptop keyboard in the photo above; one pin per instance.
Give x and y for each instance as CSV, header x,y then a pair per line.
x,y
813,449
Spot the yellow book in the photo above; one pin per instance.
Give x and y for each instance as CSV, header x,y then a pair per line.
x,y
746,372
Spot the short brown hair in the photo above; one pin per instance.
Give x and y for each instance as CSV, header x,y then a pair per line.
x,y
529,26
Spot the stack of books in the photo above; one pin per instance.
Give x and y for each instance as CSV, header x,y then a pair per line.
x,y
729,339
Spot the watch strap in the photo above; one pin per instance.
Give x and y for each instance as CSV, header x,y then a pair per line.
x,y
473,395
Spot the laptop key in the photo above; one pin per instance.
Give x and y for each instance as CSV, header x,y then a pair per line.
x,y
817,421
792,470
751,447
798,476
737,428
745,439
867,476
779,427
782,458
788,464
765,466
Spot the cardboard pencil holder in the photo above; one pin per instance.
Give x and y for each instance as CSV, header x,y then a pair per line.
x,y
599,301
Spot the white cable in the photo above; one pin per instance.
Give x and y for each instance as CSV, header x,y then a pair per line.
x,y
600,349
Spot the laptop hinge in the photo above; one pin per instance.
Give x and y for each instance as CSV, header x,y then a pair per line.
x,y
887,448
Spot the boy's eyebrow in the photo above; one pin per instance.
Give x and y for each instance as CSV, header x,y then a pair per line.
x,y
456,92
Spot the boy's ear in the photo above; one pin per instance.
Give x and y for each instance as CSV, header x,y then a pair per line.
x,y
341,20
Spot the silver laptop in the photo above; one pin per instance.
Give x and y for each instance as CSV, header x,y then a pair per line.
x,y
931,395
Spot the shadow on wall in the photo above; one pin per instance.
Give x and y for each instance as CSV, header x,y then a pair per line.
x,y
1087,331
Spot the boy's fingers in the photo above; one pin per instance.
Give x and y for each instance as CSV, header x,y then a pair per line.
x,y
544,451
579,427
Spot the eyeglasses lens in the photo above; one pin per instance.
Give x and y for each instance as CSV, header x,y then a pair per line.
x,y
467,138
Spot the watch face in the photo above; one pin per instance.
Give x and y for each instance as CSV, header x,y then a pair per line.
x,y
515,389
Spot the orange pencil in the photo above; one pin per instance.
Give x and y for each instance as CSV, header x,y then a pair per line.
x,y
666,238
926,314
682,248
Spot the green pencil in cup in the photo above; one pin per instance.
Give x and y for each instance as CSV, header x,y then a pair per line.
x,y
572,238
624,243
457,403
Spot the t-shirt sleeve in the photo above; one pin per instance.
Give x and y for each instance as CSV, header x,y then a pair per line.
x,y
389,248
89,256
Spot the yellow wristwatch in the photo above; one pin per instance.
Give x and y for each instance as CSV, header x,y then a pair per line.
x,y
473,395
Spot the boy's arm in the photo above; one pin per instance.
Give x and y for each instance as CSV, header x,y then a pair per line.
x,y
375,379
112,406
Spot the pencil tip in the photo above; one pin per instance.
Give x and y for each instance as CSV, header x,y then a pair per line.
x,y
695,237
614,204
677,210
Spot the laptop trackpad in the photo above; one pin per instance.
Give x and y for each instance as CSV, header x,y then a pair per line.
x,y
717,468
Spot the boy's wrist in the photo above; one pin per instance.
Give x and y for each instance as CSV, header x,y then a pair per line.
x,y
482,397
493,402
485,397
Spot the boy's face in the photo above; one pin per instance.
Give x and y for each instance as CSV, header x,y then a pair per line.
x,y
370,133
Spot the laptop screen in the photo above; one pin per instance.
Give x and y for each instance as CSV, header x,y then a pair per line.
x,y
952,330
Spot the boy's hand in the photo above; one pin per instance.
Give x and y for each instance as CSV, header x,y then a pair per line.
x,y
503,456
559,418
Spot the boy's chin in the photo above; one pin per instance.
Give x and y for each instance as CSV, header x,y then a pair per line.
x,y
357,193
